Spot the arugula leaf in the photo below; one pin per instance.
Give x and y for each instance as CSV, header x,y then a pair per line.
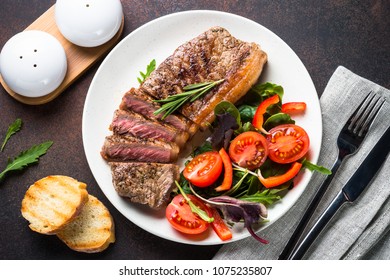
x,y
314,167
149,69
268,196
12,129
234,188
26,158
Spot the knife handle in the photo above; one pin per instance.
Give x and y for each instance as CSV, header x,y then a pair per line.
x,y
286,253
322,221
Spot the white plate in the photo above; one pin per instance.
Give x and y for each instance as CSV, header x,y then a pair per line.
x,y
158,39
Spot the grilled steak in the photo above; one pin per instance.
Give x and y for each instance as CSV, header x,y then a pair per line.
x,y
137,101
211,56
128,148
145,183
143,145
133,124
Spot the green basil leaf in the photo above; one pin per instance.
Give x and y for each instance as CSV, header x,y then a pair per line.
x,y
278,119
247,112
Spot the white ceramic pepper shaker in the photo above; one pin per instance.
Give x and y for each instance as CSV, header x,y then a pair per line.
x,y
88,23
33,63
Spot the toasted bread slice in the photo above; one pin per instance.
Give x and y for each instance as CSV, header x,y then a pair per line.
x,y
92,231
52,202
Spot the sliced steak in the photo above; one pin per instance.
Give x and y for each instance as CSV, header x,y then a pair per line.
x,y
137,101
145,183
133,124
211,56
128,148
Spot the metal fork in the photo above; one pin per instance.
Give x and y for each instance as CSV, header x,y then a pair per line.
x,y
349,140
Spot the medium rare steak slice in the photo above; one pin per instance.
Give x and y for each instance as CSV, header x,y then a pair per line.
x,y
141,103
213,55
145,183
133,124
128,148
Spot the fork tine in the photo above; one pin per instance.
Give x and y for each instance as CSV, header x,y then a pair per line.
x,y
370,118
360,110
364,115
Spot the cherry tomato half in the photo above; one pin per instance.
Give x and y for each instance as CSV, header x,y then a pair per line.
x,y
249,150
287,143
181,217
204,169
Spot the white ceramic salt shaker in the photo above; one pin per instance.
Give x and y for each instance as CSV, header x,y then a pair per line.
x,y
33,63
88,23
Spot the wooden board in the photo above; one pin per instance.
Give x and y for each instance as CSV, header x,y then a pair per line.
x,y
79,59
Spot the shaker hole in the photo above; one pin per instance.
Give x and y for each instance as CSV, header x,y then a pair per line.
x,y
35,50
87,5
20,57
35,65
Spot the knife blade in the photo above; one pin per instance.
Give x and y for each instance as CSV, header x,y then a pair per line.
x,y
367,170
349,193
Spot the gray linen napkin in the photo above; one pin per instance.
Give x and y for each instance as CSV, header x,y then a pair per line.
x,y
358,231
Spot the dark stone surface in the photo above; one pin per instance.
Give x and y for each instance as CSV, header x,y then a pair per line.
x,y
324,34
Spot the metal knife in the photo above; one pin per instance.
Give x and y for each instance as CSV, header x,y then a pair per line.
x,y
349,193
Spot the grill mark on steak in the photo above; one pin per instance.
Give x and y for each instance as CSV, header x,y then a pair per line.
x,y
127,148
211,56
133,124
145,183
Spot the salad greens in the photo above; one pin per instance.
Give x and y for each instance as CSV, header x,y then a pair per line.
x,y
247,199
246,184
231,121
257,94
237,210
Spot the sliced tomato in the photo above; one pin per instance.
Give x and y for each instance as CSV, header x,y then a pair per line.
x,y
204,169
249,150
219,226
228,172
181,217
275,181
258,118
287,143
293,107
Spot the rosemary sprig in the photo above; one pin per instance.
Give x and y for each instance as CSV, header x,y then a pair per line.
x,y
190,93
